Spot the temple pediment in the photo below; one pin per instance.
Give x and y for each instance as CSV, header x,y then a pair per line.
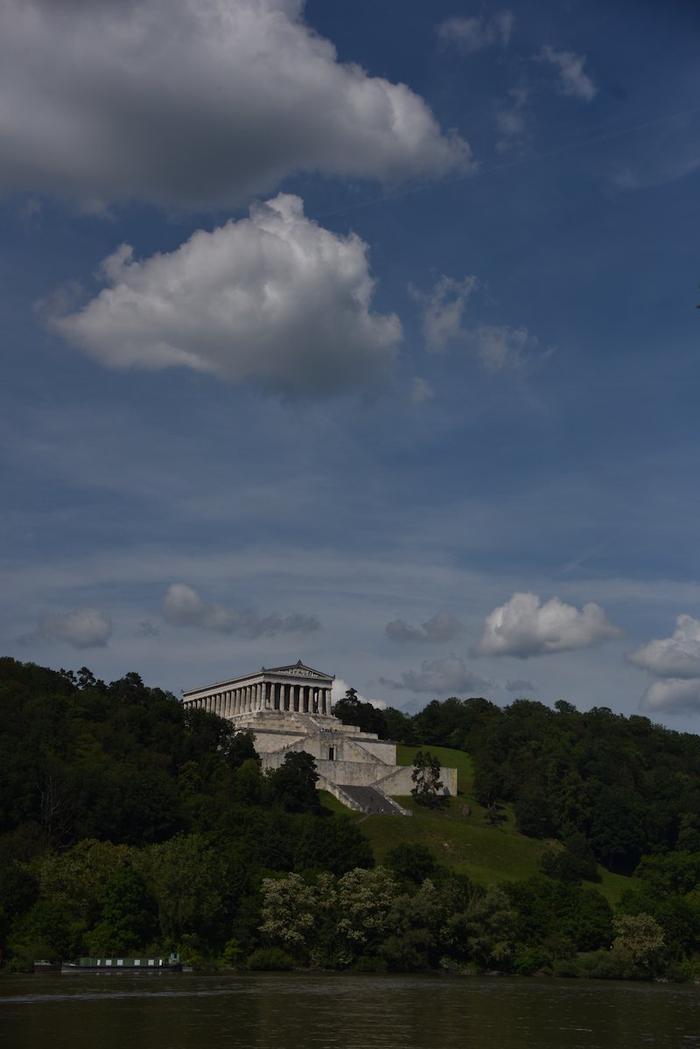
x,y
298,669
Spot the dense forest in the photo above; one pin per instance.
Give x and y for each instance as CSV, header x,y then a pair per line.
x,y
130,824
626,786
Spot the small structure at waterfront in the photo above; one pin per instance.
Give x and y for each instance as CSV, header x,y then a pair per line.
x,y
170,964
289,709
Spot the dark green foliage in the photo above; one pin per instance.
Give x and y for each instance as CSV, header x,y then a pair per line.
x,y
628,787
270,959
428,786
293,784
412,862
352,711
127,821
575,862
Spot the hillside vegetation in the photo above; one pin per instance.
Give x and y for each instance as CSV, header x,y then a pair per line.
x,y
129,824
460,836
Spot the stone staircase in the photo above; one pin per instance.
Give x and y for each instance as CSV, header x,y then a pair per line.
x,y
366,799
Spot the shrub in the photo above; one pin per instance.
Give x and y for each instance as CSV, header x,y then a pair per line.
x,y
270,959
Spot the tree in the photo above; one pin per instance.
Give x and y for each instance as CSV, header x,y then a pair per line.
x,y
351,710
639,939
411,862
293,784
427,789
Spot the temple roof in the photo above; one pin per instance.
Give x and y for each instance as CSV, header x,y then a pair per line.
x,y
297,669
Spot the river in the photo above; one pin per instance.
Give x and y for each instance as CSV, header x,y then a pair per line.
x,y
299,1011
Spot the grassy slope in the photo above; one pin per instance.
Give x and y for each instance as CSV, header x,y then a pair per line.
x,y
464,842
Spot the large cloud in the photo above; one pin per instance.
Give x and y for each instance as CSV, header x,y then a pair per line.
x,y
675,662
274,297
81,628
195,102
441,677
441,627
184,606
524,626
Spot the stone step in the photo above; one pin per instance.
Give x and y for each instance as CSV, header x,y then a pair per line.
x,y
371,801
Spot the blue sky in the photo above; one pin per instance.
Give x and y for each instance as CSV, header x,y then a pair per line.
x,y
400,380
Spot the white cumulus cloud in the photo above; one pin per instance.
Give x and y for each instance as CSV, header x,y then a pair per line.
x,y
675,662
573,79
672,696
184,606
195,103
441,627
470,34
677,656
441,677
81,628
525,626
274,297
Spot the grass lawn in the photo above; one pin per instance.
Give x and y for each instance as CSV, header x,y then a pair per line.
x,y
459,836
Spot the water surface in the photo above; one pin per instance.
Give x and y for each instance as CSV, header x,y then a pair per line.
x,y
290,1011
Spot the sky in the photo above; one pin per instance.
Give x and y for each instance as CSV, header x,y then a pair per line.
x,y
363,334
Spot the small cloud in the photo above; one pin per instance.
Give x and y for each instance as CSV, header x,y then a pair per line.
x,y
573,79
497,347
183,606
675,662
147,629
439,628
677,656
512,120
673,696
520,687
525,627
421,391
500,347
81,628
443,310
441,677
478,32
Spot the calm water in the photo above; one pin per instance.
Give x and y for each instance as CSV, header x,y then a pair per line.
x,y
354,1012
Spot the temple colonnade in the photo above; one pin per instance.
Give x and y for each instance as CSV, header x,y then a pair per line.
x,y
265,695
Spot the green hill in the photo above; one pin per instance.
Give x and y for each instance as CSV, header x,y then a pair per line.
x,y
460,837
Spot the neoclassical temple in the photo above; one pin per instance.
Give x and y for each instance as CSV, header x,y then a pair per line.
x,y
289,709
292,688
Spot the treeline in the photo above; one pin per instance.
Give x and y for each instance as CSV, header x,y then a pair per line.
x,y
624,786
129,821
129,824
